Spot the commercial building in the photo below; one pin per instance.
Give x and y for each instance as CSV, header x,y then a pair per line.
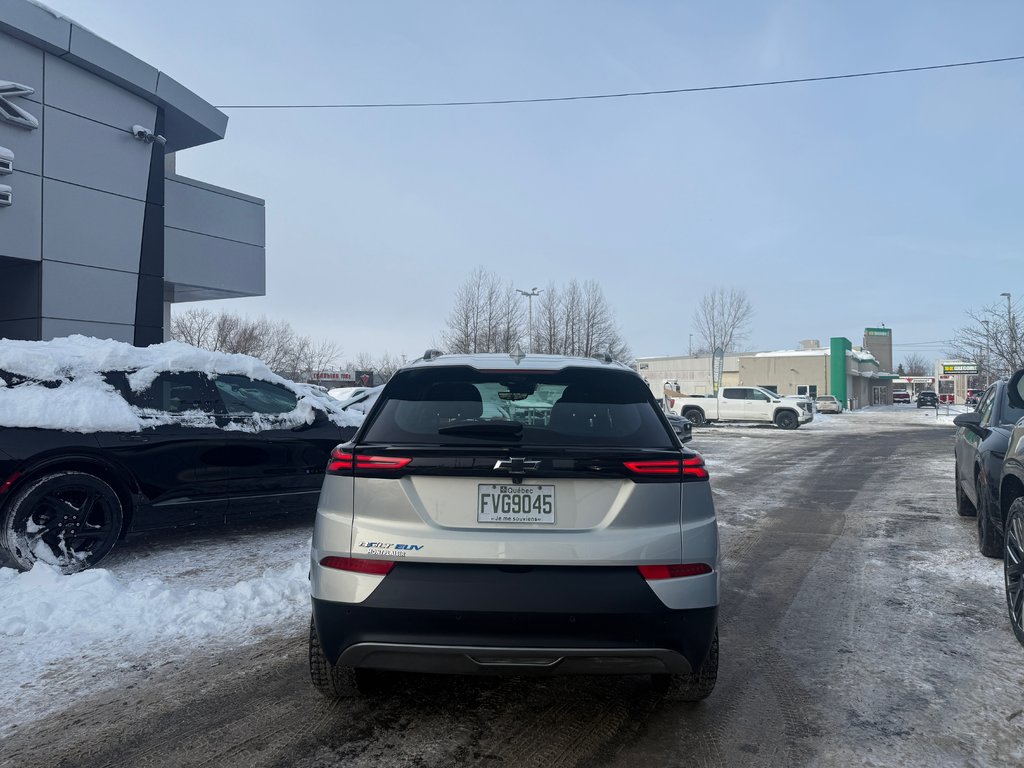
x,y
98,234
855,375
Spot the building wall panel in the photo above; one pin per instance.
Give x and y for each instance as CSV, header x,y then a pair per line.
x,y
21,222
73,292
72,89
85,226
83,152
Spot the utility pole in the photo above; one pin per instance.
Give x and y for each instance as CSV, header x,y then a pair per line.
x,y
691,345
529,295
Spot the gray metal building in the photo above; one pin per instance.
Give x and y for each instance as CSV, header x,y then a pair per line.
x,y
98,234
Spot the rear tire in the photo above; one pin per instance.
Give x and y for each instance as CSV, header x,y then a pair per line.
x,y
988,543
332,681
693,687
786,420
964,508
1013,567
695,417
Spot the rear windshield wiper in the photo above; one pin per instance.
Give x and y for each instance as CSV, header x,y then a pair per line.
x,y
483,428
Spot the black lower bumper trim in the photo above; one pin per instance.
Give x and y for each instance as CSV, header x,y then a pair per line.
x,y
468,619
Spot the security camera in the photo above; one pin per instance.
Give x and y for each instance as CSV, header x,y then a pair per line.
x,y
142,133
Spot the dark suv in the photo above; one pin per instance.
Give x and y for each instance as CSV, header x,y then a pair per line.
x,y
981,440
927,399
1011,508
511,515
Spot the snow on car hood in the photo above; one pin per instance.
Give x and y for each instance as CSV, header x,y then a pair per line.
x,y
83,402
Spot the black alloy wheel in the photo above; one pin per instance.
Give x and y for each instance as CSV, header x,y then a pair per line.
x,y
695,417
988,543
786,420
1013,567
67,519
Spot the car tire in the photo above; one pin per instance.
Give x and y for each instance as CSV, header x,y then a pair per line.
x,y
695,686
695,416
36,525
786,420
988,543
1013,567
337,682
964,507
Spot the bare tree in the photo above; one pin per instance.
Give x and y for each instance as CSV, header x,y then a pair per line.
x,y
489,315
723,318
385,368
994,338
193,326
275,342
916,365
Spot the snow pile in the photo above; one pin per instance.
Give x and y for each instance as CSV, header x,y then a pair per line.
x,y
65,611
66,391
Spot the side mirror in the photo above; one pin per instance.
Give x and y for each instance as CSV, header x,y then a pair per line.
x,y
1015,390
971,421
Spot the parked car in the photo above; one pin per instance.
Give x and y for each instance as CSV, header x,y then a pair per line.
x,y
450,541
1011,508
99,439
927,399
979,448
901,397
828,404
973,396
682,427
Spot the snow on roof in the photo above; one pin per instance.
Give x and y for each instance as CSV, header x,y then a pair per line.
x,y
795,353
862,355
85,402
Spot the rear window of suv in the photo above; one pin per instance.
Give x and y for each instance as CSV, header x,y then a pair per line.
x,y
573,406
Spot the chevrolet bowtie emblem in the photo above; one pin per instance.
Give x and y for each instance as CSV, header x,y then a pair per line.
x,y
11,112
516,465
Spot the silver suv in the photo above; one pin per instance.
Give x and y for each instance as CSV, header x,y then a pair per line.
x,y
515,514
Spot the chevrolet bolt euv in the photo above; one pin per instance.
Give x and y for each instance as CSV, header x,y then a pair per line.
x,y
513,515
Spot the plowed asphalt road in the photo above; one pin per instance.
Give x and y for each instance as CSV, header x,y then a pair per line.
x,y
859,626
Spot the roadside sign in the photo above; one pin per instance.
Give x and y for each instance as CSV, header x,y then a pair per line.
x,y
967,368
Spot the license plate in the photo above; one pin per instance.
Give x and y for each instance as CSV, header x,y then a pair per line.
x,y
498,503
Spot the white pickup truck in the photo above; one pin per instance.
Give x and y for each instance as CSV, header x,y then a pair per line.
x,y
744,404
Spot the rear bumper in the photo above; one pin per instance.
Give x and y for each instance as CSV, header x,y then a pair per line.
x,y
484,620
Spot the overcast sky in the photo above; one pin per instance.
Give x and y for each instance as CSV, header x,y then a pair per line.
x,y
834,205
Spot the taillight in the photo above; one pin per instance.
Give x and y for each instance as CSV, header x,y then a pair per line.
x,y
691,468
671,402
357,565
342,461
660,467
675,571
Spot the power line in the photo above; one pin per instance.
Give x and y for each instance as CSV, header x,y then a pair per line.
x,y
625,94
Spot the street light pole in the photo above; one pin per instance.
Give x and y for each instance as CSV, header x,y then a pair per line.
x,y
1009,330
529,295
691,345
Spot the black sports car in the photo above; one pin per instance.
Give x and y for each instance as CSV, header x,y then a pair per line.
x,y
206,446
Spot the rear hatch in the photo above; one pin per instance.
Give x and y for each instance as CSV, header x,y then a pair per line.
x,y
569,466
